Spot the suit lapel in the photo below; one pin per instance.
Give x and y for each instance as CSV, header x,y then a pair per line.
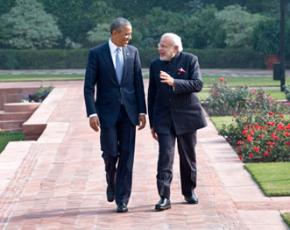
x,y
109,62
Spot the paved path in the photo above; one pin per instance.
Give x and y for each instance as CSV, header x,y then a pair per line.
x,y
58,181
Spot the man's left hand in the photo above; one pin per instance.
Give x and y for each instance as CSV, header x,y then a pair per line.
x,y
166,78
142,121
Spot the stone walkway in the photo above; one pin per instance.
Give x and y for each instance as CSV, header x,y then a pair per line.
x,y
58,181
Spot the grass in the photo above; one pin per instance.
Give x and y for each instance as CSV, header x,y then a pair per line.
x,y
208,81
218,121
286,218
39,77
275,93
5,137
272,178
250,81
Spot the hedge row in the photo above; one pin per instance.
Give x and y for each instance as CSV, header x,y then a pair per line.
x,y
76,58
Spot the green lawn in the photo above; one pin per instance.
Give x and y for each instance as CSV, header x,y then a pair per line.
x,y
218,121
286,218
273,178
274,92
250,81
5,137
39,77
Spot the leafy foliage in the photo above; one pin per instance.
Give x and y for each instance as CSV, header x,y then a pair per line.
x,y
204,29
224,100
28,26
266,36
99,34
40,94
167,21
260,136
84,23
238,25
77,17
260,132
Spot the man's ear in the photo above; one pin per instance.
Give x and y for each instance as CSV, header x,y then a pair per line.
x,y
176,48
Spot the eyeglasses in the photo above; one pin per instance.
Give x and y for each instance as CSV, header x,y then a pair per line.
x,y
163,46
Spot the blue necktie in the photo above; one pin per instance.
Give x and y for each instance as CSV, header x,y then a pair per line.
x,y
119,65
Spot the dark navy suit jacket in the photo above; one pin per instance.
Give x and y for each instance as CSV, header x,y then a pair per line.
x,y
104,95
179,106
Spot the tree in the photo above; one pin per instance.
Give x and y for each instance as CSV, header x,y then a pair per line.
x,y
99,34
238,25
77,17
27,25
6,6
266,36
158,22
204,29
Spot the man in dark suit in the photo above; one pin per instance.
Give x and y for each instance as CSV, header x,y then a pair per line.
x,y
175,113
114,72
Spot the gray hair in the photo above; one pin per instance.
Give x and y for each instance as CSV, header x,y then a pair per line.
x,y
175,38
118,23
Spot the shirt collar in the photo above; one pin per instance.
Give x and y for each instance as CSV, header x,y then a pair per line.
x,y
112,46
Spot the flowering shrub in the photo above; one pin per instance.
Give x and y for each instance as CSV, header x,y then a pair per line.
x,y
39,95
261,136
224,100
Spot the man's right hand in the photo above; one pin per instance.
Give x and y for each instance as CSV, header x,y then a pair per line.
x,y
154,134
95,123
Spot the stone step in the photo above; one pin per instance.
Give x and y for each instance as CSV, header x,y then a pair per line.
x,y
21,107
14,115
11,125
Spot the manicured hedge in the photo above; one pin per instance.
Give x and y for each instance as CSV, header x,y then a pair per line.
x,y
43,59
76,58
216,58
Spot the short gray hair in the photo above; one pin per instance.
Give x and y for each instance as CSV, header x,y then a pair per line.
x,y
118,23
175,38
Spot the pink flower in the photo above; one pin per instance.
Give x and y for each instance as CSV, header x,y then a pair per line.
x,y
250,138
280,126
274,136
266,154
271,123
221,79
256,149
180,71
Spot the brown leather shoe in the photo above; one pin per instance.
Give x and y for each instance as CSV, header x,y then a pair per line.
x,y
163,204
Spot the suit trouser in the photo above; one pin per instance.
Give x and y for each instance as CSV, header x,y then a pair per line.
x,y
118,145
187,162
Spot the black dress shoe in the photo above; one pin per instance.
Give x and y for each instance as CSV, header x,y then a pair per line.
x,y
163,204
122,208
110,194
191,199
